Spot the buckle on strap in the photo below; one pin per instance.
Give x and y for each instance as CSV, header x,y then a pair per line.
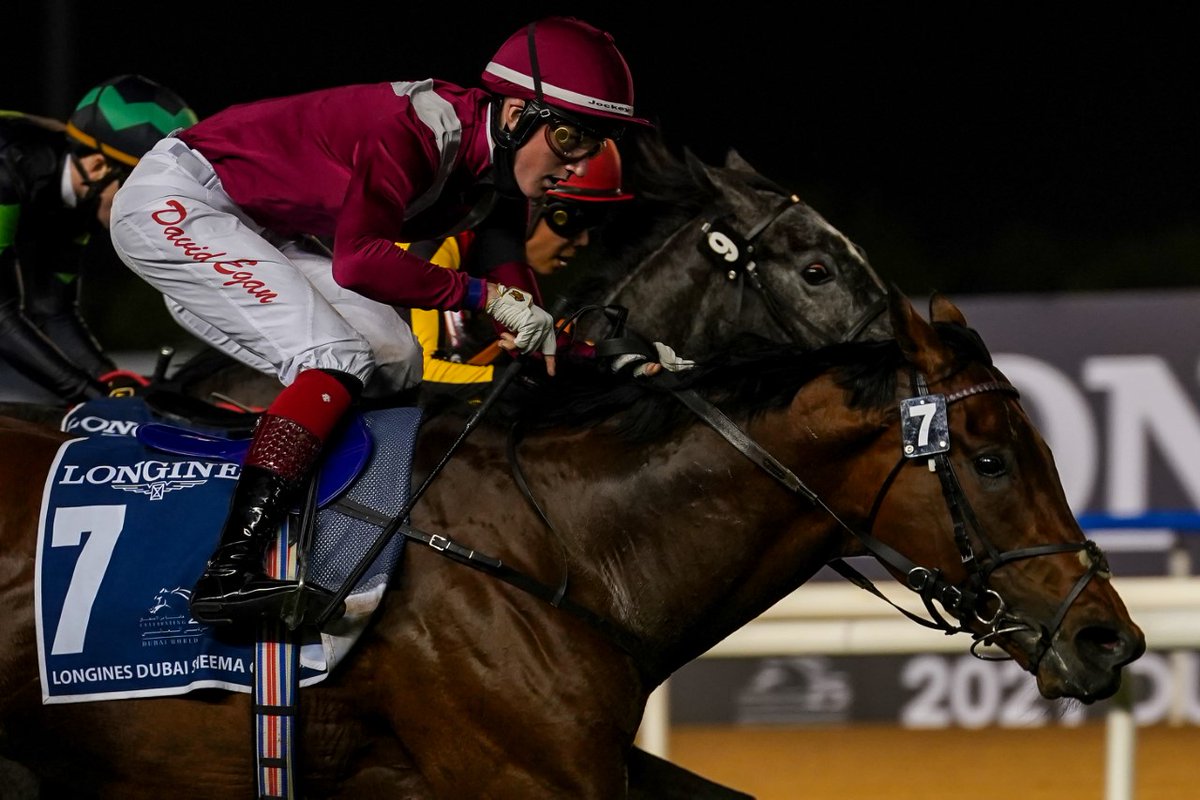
x,y
439,542
191,163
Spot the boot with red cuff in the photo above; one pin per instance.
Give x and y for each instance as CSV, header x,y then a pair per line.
x,y
235,589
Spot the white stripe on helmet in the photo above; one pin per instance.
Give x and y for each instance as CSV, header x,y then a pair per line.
x,y
557,92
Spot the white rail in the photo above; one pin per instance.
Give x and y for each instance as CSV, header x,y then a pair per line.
x,y
841,619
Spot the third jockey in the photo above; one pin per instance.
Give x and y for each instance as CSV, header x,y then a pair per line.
x,y
459,358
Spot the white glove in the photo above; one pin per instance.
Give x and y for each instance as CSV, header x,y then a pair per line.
x,y
666,356
532,325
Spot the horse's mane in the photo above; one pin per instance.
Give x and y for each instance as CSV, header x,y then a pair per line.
x,y
748,376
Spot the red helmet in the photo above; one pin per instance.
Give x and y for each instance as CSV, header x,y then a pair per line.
x,y
566,63
601,183
582,202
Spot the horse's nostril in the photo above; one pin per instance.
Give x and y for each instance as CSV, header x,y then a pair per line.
x,y
1109,645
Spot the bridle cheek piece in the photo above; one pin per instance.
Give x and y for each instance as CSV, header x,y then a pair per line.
x,y
733,254
925,435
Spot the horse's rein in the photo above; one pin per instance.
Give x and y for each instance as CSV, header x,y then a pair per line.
x,y
929,584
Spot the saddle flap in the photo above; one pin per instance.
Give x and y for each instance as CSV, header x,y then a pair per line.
x,y
344,459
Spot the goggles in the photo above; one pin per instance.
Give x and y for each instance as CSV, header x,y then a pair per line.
x,y
570,142
568,219
569,138
117,172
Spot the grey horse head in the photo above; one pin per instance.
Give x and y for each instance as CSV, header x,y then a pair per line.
x,y
707,252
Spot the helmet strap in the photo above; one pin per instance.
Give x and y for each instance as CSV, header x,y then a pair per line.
x,y
537,210
533,62
509,141
503,175
533,112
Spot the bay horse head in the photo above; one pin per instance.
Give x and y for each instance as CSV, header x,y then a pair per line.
x,y
953,490
705,252
1005,556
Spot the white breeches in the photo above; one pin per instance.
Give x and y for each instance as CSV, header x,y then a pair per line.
x,y
268,301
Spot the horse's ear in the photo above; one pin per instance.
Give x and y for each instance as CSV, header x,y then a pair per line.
x,y
734,160
942,310
918,340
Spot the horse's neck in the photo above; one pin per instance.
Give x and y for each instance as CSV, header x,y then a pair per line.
x,y
699,540
672,277
684,541
680,541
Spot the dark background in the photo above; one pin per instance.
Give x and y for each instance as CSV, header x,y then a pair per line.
x,y
1000,148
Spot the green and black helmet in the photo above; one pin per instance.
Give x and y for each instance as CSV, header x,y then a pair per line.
x,y
126,116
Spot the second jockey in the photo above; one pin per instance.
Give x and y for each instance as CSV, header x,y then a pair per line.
x,y
216,218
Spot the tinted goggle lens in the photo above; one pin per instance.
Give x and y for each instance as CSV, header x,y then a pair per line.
x,y
570,219
571,142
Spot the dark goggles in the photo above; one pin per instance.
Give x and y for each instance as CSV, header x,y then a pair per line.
x,y
117,173
570,138
571,142
568,219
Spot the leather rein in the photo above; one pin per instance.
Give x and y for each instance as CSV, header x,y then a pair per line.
x,y
969,601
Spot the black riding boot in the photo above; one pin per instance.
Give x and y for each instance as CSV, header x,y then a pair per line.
x,y
235,587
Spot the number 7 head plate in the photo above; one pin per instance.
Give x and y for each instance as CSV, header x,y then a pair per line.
x,y
924,428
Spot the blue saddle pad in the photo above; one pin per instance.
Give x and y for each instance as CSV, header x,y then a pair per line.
x,y
345,457
107,416
126,530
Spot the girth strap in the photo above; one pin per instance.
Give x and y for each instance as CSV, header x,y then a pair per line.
x,y
645,660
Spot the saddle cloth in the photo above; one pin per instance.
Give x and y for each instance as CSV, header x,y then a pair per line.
x,y
125,531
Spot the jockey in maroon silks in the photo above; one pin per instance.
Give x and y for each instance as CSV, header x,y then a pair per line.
x,y
219,218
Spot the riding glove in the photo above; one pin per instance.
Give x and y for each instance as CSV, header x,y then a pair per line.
x,y
666,356
532,325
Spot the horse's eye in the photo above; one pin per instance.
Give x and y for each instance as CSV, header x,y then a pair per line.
x,y
990,466
816,273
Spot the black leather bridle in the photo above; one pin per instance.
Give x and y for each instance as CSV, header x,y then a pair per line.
x,y
733,254
969,601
